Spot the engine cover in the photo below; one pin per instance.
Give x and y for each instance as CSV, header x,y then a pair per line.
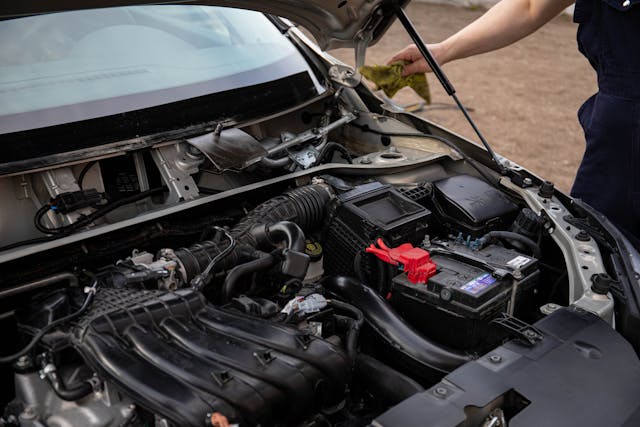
x,y
178,356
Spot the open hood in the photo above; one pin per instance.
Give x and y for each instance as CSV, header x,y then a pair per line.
x,y
334,23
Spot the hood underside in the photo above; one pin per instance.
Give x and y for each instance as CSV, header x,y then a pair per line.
x,y
333,23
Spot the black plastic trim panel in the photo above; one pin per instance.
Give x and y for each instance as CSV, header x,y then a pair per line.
x,y
582,373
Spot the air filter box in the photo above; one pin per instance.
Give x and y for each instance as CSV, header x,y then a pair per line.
x,y
364,214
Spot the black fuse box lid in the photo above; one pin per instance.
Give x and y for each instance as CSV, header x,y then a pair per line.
x,y
473,204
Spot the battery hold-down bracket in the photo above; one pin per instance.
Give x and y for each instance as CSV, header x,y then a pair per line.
x,y
415,262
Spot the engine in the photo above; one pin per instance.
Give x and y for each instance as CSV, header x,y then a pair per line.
x,y
324,305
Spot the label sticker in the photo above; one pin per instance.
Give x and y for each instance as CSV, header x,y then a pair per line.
x,y
479,284
518,262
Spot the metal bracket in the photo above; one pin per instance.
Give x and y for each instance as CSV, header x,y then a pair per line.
x,y
22,187
364,38
176,164
583,258
306,157
312,134
56,182
518,329
345,75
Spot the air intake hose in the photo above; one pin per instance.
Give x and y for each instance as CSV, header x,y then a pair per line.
x,y
268,236
196,258
282,219
304,206
393,330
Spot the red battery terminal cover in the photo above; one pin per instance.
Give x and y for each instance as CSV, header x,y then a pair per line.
x,y
416,262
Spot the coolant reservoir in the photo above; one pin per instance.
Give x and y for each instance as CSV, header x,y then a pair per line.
x,y
315,271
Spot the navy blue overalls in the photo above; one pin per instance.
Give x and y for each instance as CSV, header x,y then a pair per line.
x,y
609,176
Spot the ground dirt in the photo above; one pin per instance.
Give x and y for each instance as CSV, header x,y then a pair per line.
x,y
524,97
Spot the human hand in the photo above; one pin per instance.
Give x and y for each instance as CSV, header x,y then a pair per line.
x,y
415,62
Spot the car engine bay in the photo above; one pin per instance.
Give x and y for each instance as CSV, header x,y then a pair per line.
x,y
318,268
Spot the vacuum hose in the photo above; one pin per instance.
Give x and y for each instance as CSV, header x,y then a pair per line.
x,y
392,328
293,261
510,235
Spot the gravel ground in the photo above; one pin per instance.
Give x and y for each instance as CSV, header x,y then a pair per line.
x,y
524,97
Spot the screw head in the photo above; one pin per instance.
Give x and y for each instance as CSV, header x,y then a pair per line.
x,y
529,333
527,181
445,294
440,391
495,358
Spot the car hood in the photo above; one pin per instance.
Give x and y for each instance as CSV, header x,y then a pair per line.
x,y
333,23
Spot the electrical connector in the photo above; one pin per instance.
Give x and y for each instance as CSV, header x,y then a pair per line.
x,y
74,200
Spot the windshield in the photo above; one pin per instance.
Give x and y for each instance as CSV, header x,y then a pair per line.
x,y
66,67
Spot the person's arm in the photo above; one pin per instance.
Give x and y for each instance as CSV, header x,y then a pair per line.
x,y
505,23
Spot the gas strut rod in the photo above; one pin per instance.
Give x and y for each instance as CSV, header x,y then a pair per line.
x,y
444,81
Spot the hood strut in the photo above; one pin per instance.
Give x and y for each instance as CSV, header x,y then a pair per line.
x,y
444,81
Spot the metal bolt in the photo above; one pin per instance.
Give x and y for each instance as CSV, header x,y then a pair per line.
x,y
440,391
23,362
365,161
549,308
495,358
29,412
527,182
529,333
583,236
193,150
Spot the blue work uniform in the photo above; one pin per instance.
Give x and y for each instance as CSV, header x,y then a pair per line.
x,y
609,176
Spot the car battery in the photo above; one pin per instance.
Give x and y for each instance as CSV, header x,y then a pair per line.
x,y
456,305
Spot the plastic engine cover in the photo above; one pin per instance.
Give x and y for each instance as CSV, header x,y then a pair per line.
x,y
582,373
180,357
